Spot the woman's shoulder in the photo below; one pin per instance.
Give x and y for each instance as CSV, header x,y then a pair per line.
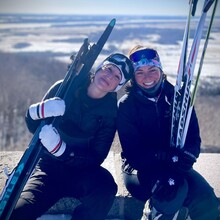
x,y
110,98
108,105
167,84
53,89
123,98
127,103
168,89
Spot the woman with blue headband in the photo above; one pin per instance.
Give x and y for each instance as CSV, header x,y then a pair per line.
x,y
154,172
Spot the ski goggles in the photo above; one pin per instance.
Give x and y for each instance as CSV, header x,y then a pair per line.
x,y
145,57
144,53
123,63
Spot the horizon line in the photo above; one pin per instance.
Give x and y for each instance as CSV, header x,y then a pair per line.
x,y
83,14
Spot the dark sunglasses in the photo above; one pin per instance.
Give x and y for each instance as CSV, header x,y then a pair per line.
x,y
145,53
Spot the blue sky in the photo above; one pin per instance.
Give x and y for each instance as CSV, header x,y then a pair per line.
x,y
128,7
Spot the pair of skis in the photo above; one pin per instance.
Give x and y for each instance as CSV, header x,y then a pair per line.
x,y
182,105
182,109
75,76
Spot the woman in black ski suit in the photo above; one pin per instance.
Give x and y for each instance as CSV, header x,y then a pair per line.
x,y
77,147
151,168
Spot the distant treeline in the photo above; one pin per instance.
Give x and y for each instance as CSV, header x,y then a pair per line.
x,y
24,80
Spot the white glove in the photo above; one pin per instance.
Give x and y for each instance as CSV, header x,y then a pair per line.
x,y
51,140
48,108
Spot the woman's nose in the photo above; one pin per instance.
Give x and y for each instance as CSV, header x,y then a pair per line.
x,y
145,75
109,74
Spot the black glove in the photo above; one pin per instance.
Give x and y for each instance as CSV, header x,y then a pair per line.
x,y
167,156
163,156
166,188
179,159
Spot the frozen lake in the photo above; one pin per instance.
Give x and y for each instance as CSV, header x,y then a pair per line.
x,y
58,36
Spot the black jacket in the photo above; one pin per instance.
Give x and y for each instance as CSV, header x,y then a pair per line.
x,y
88,128
144,128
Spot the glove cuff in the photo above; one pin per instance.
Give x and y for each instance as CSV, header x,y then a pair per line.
x,y
59,149
36,111
192,156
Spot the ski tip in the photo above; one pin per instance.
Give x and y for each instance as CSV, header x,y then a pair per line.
x,y
112,22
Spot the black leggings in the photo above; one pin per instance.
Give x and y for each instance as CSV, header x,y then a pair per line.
x,y
95,188
201,200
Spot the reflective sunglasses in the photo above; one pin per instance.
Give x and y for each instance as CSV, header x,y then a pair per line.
x,y
145,53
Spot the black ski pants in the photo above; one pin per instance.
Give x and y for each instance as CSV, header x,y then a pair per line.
x,y
95,188
201,199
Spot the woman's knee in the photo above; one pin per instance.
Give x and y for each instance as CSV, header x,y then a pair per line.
x,y
135,188
201,200
104,181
